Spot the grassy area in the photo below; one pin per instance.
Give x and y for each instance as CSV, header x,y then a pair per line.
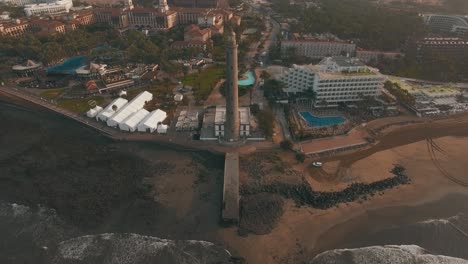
x,y
157,89
405,86
442,89
80,105
52,94
204,82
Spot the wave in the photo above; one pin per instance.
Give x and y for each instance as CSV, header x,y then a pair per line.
x,y
390,254
132,248
38,235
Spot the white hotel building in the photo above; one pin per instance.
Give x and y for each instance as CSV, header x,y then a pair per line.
x,y
57,7
318,48
334,80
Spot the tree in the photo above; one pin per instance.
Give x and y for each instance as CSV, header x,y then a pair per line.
x,y
265,75
300,157
51,52
286,144
254,109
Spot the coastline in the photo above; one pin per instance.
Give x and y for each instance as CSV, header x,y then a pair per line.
x,y
302,232
166,141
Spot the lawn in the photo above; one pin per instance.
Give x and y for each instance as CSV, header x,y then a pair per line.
x,y
157,89
52,94
80,105
204,82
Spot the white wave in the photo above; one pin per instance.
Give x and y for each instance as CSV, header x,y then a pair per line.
x,y
133,248
443,221
390,254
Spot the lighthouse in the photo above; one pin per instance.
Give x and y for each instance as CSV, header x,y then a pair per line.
x,y
232,93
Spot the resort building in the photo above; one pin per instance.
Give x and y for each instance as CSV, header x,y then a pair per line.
x,y
27,68
334,80
52,8
19,2
46,27
162,18
317,47
193,32
447,23
368,56
220,120
14,28
427,48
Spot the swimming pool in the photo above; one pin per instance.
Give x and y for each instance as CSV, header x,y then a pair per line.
x,y
316,121
250,80
68,66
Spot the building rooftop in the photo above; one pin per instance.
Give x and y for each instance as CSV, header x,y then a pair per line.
x,y
343,61
244,115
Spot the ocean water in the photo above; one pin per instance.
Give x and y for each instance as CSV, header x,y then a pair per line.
x,y
26,226
439,227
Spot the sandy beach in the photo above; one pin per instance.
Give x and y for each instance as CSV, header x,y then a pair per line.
x,y
302,232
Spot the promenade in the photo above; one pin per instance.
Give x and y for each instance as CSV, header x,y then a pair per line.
x,y
180,142
101,127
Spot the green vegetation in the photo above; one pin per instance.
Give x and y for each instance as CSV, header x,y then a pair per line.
x,y
204,81
300,157
97,41
15,11
401,94
52,94
241,91
273,90
370,25
266,122
436,68
81,105
286,144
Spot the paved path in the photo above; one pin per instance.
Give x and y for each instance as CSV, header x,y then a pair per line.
x,y
49,105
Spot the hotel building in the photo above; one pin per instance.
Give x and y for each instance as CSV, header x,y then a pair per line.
x,y
57,7
334,80
447,23
318,47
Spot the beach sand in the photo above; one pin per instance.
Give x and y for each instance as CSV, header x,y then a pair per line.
x,y
302,231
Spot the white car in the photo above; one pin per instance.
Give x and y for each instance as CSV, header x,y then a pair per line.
x,y
317,164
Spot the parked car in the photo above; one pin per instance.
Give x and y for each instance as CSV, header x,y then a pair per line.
x,y
317,164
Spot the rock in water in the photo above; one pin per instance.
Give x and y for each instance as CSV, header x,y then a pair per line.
x,y
410,254
137,249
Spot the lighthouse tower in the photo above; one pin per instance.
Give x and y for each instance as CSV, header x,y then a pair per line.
x,y
128,5
232,94
163,7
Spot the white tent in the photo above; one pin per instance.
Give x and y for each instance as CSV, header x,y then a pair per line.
x,y
93,112
178,97
134,105
109,111
162,129
130,123
151,121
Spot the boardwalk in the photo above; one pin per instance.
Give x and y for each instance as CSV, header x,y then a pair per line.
x,y
230,211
